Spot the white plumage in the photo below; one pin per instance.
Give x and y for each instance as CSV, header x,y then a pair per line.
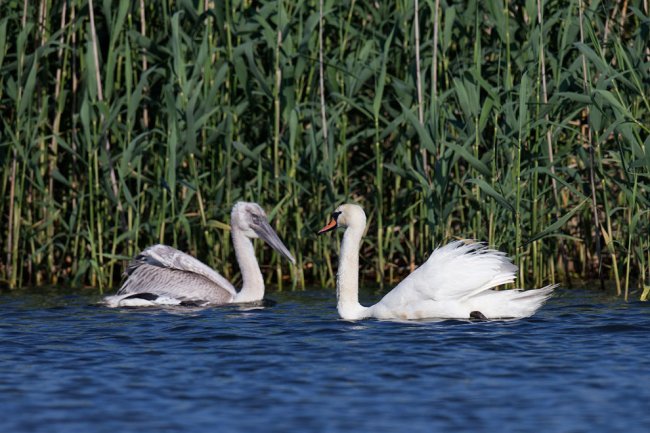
x,y
456,282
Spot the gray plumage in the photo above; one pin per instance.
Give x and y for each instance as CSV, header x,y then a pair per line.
x,y
166,271
162,275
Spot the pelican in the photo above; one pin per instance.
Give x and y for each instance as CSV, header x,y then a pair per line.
x,y
162,275
456,282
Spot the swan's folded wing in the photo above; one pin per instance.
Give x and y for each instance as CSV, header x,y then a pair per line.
x,y
456,271
164,270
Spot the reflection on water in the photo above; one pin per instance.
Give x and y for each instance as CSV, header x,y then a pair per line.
x,y
68,365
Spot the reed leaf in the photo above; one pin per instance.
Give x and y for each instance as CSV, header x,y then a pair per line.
x,y
146,125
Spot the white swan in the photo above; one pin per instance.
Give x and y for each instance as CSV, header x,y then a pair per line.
x,y
162,275
456,281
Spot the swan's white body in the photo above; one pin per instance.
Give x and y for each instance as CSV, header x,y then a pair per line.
x,y
162,275
456,281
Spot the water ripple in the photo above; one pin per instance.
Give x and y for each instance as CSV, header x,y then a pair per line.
x,y
67,365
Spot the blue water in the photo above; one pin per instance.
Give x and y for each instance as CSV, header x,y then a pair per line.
x,y
66,365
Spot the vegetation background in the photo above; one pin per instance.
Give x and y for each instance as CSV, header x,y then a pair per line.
x,y
521,123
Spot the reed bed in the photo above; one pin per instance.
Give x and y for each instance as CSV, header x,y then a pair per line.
x,y
523,124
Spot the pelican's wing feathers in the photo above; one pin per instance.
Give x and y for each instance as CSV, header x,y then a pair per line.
x,y
166,271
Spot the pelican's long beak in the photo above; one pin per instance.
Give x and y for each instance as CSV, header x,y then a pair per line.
x,y
330,226
266,232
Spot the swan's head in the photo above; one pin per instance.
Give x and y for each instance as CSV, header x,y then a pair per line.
x,y
251,220
346,215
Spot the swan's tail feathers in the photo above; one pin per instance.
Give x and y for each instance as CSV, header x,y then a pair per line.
x,y
539,294
529,301
511,304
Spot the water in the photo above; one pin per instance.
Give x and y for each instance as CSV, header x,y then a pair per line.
x,y
66,365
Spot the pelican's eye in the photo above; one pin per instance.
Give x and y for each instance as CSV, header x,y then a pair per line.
x,y
256,218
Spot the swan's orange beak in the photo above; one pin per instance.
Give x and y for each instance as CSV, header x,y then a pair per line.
x,y
330,226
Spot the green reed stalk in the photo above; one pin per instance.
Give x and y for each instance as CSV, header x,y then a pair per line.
x,y
478,223
588,139
506,15
630,224
141,136
522,121
276,124
321,76
379,164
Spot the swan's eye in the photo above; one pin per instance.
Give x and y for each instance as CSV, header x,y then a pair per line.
x,y
335,215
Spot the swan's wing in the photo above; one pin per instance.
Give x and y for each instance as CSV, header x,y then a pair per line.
x,y
166,271
456,271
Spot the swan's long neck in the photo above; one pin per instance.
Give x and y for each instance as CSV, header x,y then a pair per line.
x,y
347,278
253,286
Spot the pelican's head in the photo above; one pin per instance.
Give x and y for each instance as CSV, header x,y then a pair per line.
x,y
346,215
251,220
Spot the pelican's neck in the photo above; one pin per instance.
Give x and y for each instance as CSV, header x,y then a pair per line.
x,y
347,278
253,285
